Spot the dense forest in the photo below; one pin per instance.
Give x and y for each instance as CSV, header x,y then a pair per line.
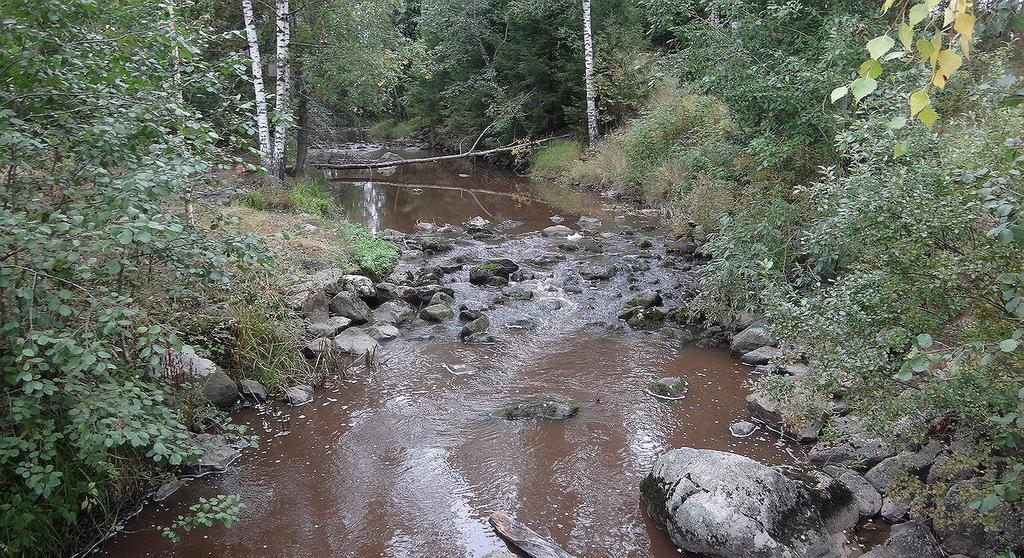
x,y
849,171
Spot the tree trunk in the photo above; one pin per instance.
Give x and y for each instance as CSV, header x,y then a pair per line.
x,y
172,28
302,130
262,123
588,51
281,97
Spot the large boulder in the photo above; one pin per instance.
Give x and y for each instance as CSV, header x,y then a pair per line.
x,y
220,390
437,313
761,355
349,305
722,504
753,337
965,533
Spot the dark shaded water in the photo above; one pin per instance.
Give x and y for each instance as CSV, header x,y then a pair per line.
x,y
404,458
446,192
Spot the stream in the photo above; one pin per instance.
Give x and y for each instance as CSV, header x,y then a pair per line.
x,y
404,458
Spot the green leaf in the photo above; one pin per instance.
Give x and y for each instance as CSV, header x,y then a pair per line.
x,y
1008,345
863,87
900,149
897,122
925,48
838,93
880,45
928,116
924,340
871,69
918,100
906,35
916,14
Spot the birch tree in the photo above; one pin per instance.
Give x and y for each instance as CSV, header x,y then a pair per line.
x,y
588,52
262,123
281,97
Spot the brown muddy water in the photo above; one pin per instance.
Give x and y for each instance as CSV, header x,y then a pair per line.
x,y
404,458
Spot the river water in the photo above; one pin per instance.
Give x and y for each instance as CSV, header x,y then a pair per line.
x,y
404,458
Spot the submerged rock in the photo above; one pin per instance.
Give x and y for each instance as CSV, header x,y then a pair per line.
x,y
742,428
908,540
727,505
647,318
475,327
216,457
524,538
669,388
538,408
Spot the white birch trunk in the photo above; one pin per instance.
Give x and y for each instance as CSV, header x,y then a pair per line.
x,y
588,51
262,122
281,116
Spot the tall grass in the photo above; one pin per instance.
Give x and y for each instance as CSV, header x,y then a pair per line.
x,y
552,159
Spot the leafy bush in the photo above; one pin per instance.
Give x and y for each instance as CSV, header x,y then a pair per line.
x,y
551,159
95,252
372,255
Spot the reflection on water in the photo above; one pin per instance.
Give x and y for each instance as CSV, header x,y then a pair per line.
x,y
448,192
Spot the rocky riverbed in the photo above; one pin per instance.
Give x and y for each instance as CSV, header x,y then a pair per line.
x,y
552,371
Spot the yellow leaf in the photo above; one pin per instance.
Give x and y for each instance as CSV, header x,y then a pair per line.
x,y
948,16
933,58
918,100
964,24
949,63
906,36
886,5
899,150
931,4
928,116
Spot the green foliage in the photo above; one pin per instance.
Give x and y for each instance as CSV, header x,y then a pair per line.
x,y
98,150
515,68
372,255
218,509
553,158
265,335
391,130
312,196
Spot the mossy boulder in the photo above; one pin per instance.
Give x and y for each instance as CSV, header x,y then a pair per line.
x,y
669,388
492,273
437,312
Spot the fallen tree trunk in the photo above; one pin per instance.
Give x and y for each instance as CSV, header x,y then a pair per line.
x,y
524,538
386,164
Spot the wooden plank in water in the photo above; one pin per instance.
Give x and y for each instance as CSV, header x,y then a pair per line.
x,y
524,538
